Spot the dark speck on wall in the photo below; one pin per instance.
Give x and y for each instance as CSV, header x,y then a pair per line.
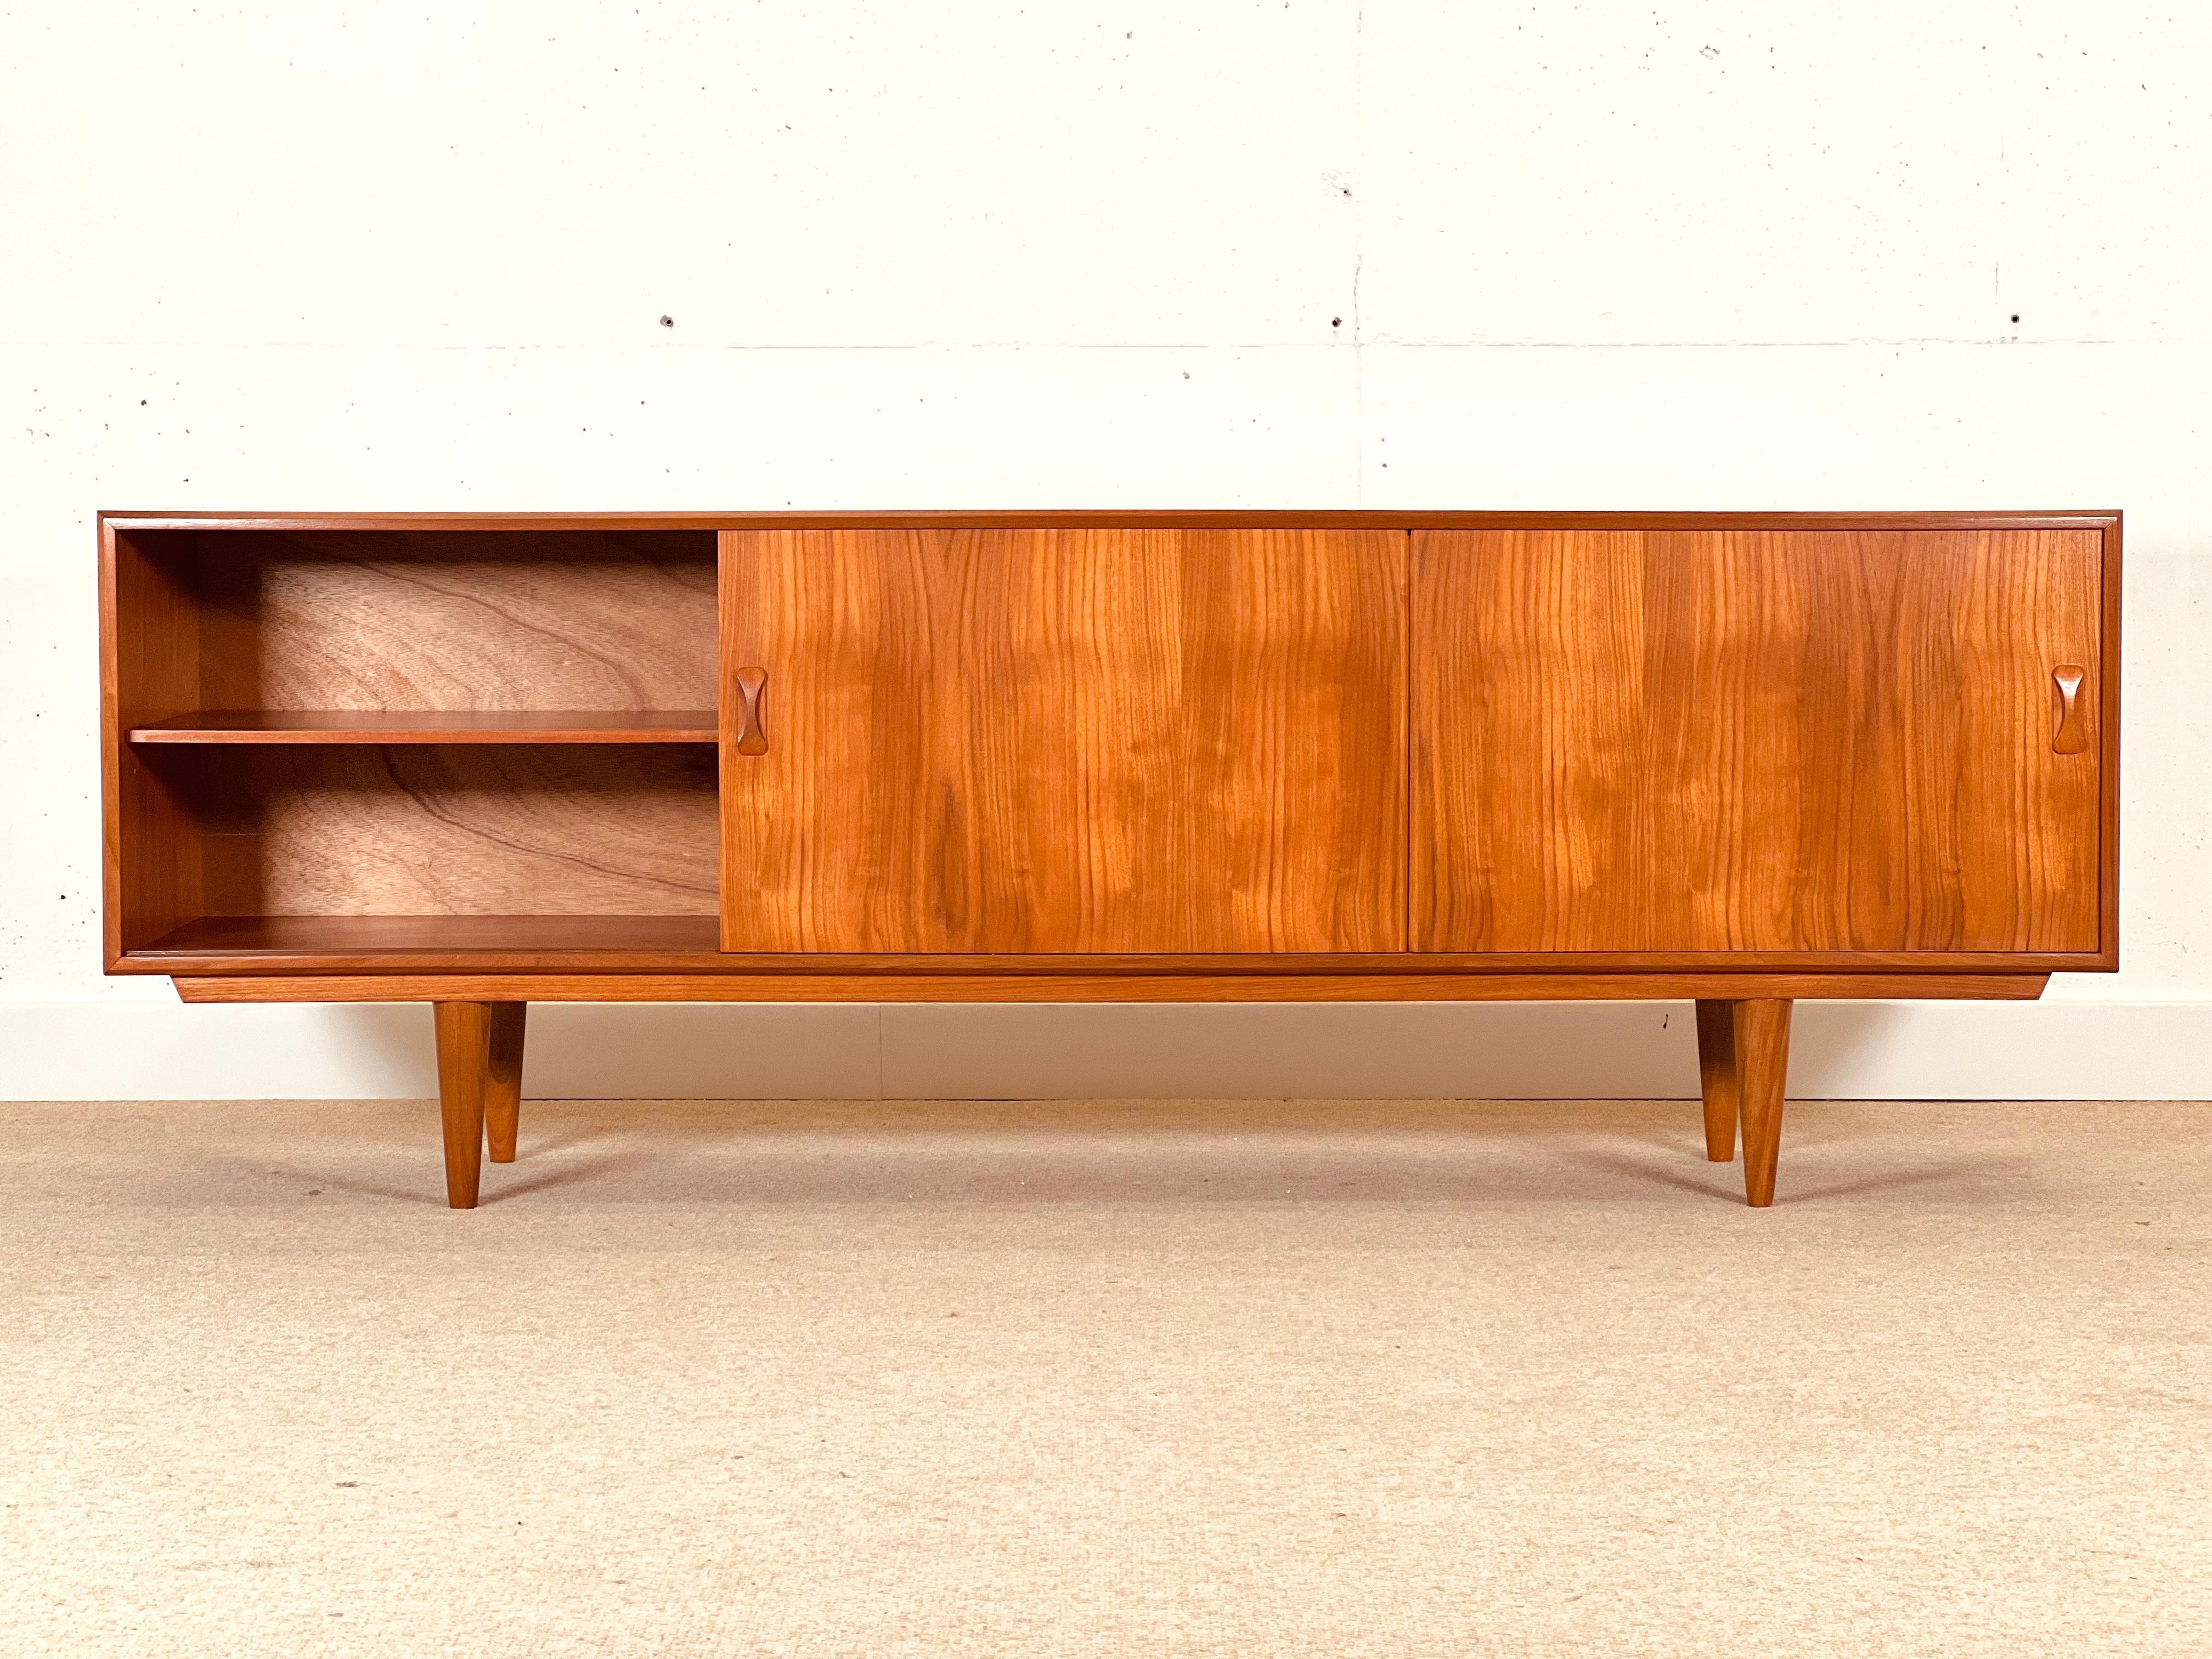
x,y
1336,322
668,322
2015,316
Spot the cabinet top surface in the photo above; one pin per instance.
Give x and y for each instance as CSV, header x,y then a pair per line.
x,y
1171,519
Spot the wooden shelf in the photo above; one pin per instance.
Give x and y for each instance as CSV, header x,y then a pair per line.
x,y
369,944
343,726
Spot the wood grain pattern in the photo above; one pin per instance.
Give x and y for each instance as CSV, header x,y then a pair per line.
x,y
465,622
1761,1045
464,1036
505,1024
1629,740
549,830
556,986
1717,1077
1079,741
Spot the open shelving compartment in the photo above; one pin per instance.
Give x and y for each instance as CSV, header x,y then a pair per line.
x,y
341,744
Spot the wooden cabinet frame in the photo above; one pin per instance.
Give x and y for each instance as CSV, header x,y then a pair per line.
x,y
443,770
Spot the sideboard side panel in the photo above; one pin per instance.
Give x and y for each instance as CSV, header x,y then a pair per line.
x,y
153,868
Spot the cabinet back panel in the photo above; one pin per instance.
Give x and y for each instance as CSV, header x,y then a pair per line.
x,y
1745,740
407,830
459,621
1068,740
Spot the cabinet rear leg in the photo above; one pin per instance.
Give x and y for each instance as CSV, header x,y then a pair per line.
x,y
1761,1038
464,1063
503,1078
1716,1077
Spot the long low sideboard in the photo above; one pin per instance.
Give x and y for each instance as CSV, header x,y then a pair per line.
x,y
483,760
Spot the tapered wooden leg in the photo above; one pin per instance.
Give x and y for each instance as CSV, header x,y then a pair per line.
x,y
464,1060
503,1078
1716,1077
1762,1067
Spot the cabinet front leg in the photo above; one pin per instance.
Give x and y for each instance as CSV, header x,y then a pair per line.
x,y
503,1078
1761,1036
1716,1077
464,1063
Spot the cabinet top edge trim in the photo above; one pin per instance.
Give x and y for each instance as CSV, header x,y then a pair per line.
x,y
1081,519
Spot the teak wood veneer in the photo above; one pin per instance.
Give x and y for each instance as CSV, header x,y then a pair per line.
x,y
484,760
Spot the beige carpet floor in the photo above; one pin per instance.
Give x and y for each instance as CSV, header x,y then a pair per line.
x,y
1054,1378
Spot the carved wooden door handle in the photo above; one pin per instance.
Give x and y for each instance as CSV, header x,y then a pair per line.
x,y
753,736
2071,737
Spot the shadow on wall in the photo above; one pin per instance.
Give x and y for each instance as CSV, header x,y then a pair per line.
x,y
1576,1051
1513,1051
1835,1047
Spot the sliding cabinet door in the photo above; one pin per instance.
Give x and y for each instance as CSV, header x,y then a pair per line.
x,y
1063,740
1783,741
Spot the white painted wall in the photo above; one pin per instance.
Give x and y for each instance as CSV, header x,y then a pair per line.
x,y
1303,254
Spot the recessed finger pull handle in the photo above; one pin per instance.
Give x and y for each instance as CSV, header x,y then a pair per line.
x,y
752,735
2071,734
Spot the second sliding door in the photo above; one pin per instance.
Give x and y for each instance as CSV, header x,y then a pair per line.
x,y
1786,741
1064,740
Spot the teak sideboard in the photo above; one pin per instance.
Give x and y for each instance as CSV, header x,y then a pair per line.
x,y
485,760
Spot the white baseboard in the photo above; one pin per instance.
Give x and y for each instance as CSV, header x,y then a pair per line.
x,y
1867,1050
